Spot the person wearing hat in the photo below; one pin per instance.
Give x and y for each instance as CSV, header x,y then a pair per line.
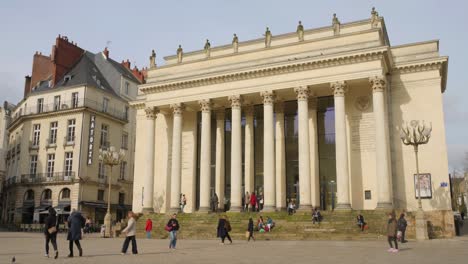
x,y
50,232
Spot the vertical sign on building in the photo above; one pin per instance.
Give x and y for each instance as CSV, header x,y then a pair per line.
x,y
92,126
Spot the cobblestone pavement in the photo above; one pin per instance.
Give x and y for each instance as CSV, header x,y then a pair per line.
x,y
29,248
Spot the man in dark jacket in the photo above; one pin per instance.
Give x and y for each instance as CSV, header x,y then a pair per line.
x,y
75,223
402,227
50,231
174,226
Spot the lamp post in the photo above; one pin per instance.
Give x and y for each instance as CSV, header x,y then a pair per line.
x,y
111,158
417,133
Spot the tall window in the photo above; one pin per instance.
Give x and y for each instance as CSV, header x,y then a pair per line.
x,y
124,141
33,165
105,104
127,109
104,135
123,170
127,87
100,195
71,130
47,194
40,105
53,133
68,163
56,102
121,198
50,165
74,100
65,193
102,170
36,134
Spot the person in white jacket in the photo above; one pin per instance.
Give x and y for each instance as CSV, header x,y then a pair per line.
x,y
130,232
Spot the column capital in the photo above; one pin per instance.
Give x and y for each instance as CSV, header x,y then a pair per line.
x,y
378,83
339,88
249,110
302,93
151,112
177,108
205,105
236,101
268,97
220,113
279,107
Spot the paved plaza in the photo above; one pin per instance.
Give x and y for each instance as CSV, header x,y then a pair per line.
x,y
29,248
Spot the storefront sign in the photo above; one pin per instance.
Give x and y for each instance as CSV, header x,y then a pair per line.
x,y
92,126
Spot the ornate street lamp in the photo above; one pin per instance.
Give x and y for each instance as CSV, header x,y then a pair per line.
x,y
417,133
111,158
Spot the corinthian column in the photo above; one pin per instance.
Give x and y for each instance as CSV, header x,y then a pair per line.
x,y
314,158
342,172
280,168
219,169
249,149
205,156
176,157
236,154
269,191
381,143
148,182
304,150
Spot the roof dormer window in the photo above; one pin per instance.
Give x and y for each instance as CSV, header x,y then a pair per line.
x,y
67,78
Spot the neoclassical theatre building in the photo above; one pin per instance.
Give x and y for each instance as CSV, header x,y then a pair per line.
x,y
312,116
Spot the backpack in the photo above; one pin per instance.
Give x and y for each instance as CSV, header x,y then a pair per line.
x,y
227,226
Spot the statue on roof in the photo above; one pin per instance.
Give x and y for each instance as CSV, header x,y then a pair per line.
x,y
374,18
235,43
152,59
300,31
207,48
336,25
180,54
267,38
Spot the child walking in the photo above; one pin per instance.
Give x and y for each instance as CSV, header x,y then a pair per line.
x,y
250,229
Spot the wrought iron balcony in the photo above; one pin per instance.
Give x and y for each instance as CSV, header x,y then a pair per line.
x,y
63,176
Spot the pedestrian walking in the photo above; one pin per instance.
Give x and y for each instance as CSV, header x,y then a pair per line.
x,y
172,227
50,232
402,224
223,229
392,233
148,228
75,223
250,229
130,232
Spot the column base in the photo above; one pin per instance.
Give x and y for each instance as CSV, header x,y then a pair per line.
x,y
421,226
304,208
148,210
205,209
235,209
384,206
269,208
343,207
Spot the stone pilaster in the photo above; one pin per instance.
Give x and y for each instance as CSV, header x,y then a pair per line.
x,y
314,156
280,161
269,191
220,154
205,156
236,154
148,190
176,157
249,149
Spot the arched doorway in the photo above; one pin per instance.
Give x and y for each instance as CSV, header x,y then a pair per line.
x,y
28,207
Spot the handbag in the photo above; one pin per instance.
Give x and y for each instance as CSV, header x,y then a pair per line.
x,y
399,234
247,234
52,230
168,228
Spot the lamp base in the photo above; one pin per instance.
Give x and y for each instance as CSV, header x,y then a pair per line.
x,y
108,224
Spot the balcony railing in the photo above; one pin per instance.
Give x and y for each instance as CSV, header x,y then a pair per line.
x,y
63,176
102,179
69,141
51,143
71,104
33,145
10,181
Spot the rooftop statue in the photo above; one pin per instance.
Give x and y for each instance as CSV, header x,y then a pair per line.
x,y
207,48
300,31
235,43
180,54
374,18
267,38
152,59
336,25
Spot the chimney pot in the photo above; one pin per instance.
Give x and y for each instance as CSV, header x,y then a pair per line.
x,y
106,53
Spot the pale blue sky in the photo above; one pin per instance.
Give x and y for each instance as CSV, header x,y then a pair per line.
x,y
136,27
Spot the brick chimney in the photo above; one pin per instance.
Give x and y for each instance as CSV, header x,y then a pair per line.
x,y
126,64
106,53
27,85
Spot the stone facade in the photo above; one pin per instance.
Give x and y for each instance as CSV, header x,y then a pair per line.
x,y
373,88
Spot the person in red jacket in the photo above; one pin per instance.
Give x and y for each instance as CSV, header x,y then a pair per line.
x,y
148,228
253,201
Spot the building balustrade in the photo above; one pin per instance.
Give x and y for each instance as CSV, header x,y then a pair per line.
x,y
64,176
71,104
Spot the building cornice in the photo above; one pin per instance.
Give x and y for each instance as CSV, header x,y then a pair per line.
x,y
138,104
283,68
440,64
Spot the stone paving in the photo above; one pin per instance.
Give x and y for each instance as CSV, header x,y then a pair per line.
x,y
29,248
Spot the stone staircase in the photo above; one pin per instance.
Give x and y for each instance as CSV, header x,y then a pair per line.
x,y
335,226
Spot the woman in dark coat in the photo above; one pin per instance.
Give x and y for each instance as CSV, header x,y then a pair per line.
x,y
222,230
75,223
250,229
50,233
